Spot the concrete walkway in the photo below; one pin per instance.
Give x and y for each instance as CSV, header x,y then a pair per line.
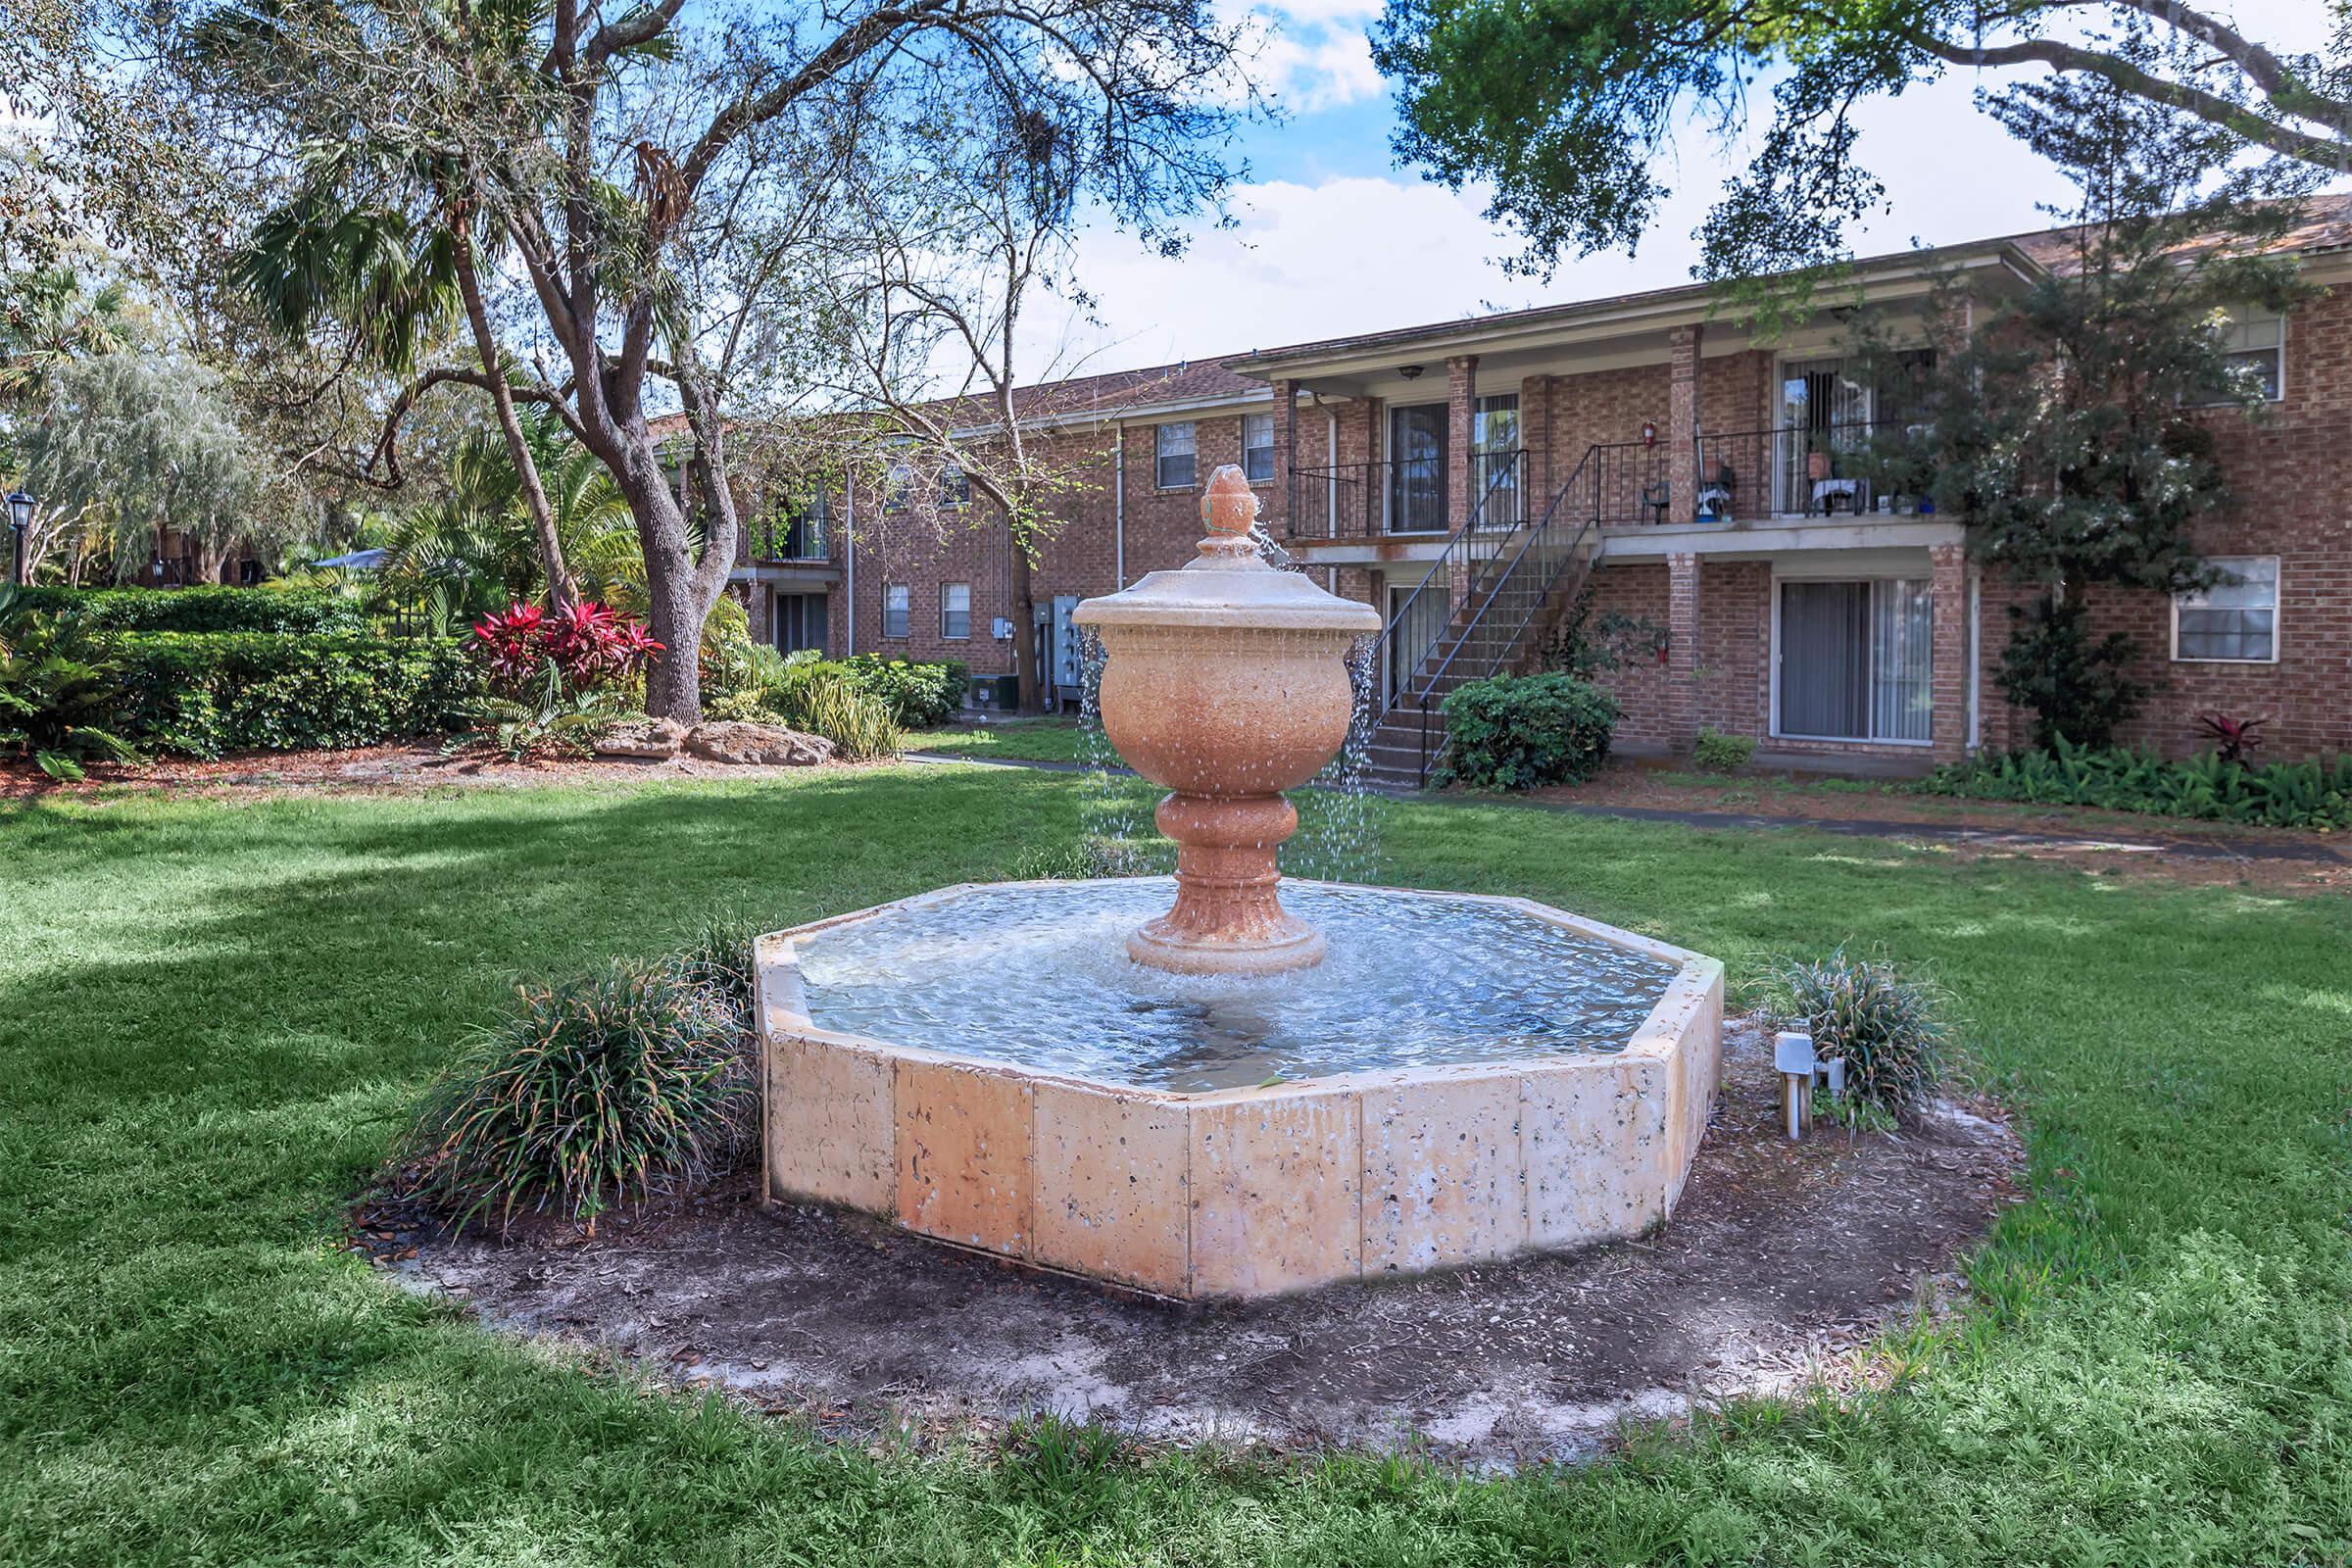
x,y
2195,848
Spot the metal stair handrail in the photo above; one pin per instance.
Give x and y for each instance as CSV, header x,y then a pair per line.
x,y
1500,579
1460,543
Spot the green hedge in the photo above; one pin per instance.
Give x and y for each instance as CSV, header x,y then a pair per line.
x,y
203,609
2306,795
1512,732
207,693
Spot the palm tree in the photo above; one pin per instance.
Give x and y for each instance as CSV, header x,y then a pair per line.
x,y
389,241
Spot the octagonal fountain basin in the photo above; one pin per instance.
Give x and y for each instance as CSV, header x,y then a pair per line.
x,y
1462,1078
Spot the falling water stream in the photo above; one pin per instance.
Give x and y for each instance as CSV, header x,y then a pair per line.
x,y
1339,816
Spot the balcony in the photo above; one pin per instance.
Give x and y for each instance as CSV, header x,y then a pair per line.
x,y
793,541
1791,472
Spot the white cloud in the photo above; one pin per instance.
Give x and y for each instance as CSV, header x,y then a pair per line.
x,y
1325,73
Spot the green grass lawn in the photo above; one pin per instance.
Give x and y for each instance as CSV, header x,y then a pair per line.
x,y
1030,740
216,1015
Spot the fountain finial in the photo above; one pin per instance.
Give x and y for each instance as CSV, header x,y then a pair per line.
x,y
1229,510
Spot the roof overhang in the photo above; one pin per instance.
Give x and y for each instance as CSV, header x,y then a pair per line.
x,y
1625,319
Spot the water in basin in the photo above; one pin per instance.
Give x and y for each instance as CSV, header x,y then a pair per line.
x,y
1038,976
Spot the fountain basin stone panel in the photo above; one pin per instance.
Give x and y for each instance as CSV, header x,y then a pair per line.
x,y
1243,1192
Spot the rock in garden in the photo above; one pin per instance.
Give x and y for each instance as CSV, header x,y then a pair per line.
x,y
652,737
738,740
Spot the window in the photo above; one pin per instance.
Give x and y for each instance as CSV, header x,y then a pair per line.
x,y
897,487
956,610
895,599
1176,456
1257,447
2254,342
2236,619
1855,661
955,487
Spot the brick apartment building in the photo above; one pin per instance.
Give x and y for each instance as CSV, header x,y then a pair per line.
x,y
1470,479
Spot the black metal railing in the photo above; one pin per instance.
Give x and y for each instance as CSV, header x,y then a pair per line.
x,y
1628,482
1876,466
786,539
1508,575
1403,496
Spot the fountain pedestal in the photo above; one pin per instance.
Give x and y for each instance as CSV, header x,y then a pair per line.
x,y
1226,682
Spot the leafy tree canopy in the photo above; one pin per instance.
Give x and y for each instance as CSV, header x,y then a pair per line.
x,y
1563,105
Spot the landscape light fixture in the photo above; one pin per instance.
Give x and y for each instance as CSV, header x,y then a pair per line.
x,y
19,518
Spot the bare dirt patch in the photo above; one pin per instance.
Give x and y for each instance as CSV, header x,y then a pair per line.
x,y
1782,1262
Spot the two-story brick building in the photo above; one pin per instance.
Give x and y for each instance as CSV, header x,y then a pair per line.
x,y
1706,489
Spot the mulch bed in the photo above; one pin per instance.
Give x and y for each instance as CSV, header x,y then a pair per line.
x,y
369,768
1783,1264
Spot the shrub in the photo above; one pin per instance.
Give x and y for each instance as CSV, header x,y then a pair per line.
x,y
61,689
629,1079
205,694
808,693
858,725
1883,1025
920,696
205,609
1718,753
2309,794
1512,732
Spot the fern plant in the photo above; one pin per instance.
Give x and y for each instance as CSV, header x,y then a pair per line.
x,y
62,690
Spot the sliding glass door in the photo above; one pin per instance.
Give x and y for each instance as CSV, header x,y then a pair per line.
x,y
1856,661
1417,468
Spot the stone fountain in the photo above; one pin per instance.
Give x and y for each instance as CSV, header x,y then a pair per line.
x,y
1190,1089
1226,683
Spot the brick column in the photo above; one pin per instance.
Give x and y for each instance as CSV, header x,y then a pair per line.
x,y
1681,651
1949,676
1682,424
1461,489
1534,437
1283,494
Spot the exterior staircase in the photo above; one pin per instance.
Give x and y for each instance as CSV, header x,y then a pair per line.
x,y
1516,583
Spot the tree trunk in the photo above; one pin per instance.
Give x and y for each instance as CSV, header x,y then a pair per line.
x,y
1024,623
679,591
560,594
206,560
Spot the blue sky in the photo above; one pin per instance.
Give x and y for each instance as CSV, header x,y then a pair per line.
x,y
1333,239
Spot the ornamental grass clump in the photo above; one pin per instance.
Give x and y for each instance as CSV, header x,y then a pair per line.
x,y
720,958
1887,1028
629,1079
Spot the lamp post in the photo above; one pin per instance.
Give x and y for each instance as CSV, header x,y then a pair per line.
x,y
19,518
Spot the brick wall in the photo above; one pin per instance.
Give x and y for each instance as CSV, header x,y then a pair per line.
x,y
2291,500
1079,555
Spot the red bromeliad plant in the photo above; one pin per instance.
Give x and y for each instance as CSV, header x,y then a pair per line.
x,y
586,643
